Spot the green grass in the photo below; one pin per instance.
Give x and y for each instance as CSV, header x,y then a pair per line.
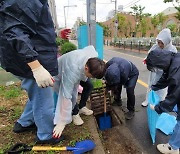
x,y
11,92
9,113
16,113
2,89
2,108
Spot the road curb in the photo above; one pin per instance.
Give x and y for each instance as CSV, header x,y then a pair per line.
x,y
94,132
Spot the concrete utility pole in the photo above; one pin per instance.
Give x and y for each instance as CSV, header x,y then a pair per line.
x,y
115,20
91,22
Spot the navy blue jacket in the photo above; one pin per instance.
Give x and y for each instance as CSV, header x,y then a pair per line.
x,y
170,63
26,34
120,71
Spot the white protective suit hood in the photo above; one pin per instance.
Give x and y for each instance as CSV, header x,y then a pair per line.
x,y
165,37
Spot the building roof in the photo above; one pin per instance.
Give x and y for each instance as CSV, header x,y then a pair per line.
x,y
169,10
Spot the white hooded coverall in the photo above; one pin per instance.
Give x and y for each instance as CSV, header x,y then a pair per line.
x,y
71,68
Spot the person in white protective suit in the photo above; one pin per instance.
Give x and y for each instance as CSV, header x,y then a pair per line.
x,y
73,67
164,43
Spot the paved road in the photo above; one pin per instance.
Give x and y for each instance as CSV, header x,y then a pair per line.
x,y
138,125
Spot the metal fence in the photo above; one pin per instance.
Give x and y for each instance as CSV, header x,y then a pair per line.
x,y
141,44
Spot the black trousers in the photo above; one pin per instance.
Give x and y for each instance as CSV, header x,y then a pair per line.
x,y
87,88
130,96
130,86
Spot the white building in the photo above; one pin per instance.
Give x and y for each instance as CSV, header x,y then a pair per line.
x,y
110,15
112,12
75,27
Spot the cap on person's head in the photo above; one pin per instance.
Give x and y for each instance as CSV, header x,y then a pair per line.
x,y
112,75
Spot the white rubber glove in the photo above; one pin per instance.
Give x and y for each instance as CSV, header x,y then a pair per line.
x,y
152,107
43,77
58,130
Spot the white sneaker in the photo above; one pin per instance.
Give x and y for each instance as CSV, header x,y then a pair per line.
x,y
77,120
85,111
145,103
167,149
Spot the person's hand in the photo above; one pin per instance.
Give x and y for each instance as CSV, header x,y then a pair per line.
x,y
152,107
42,77
58,130
154,88
144,61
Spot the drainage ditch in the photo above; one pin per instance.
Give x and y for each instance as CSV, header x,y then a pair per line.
x,y
117,139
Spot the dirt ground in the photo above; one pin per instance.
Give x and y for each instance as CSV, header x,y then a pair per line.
x,y
116,140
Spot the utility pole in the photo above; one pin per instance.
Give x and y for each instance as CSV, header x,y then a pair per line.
x,y
115,20
91,22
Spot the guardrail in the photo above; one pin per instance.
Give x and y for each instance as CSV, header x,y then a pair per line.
x,y
140,46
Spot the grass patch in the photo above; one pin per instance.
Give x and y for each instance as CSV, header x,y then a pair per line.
x,y
2,108
10,92
2,89
12,101
16,113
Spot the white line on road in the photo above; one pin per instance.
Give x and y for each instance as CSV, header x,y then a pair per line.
x,y
129,55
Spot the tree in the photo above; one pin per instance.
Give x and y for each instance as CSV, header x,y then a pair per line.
x,y
129,25
176,4
138,12
154,21
81,23
106,30
173,28
144,26
161,19
158,20
138,15
121,22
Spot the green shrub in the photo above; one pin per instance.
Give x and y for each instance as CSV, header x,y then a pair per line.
x,y
60,41
67,47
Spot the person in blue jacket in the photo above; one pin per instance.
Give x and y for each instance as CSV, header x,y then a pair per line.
x,y
170,64
28,50
121,72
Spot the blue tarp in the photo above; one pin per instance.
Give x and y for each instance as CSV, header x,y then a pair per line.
x,y
166,123
153,116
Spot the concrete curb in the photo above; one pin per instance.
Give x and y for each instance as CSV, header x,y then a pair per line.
x,y
93,129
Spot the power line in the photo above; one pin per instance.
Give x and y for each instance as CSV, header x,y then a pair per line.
x,y
129,3
126,6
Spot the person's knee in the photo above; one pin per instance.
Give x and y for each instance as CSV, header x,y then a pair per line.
x,y
130,91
